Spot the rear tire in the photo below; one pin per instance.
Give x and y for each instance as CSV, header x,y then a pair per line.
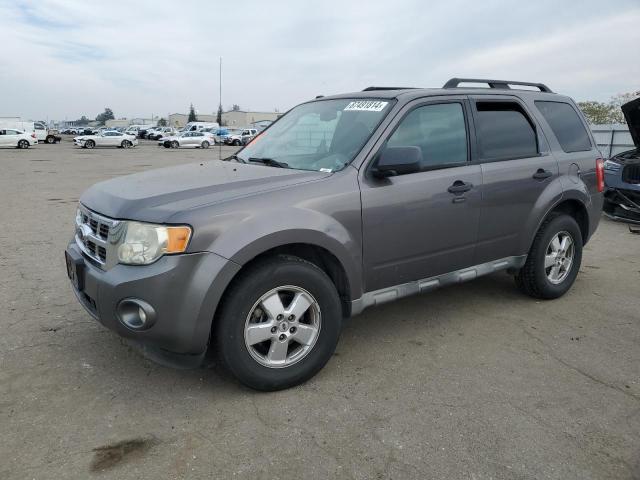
x,y
549,272
126,144
243,308
51,140
23,144
205,144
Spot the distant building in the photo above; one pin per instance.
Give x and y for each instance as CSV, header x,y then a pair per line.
x,y
179,120
120,122
241,118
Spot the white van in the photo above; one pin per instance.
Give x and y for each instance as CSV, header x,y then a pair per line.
x,y
197,126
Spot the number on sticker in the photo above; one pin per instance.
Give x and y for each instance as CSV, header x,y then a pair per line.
x,y
366,106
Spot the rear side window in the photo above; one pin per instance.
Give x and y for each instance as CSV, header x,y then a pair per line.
x,y
566,126
505,131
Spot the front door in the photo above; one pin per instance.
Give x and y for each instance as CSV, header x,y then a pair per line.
x,y
423,224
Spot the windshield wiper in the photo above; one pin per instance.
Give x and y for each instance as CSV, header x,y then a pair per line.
x,y
269,162
234,157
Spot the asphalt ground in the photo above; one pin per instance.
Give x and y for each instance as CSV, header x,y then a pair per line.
x,y
469,382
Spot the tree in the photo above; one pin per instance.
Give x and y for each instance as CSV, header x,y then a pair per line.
x,y
597,112
219,116
236,107
192,114
104,116
610,112
162,123
82,121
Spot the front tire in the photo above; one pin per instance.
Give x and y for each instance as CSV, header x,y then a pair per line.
x,y
236,143
554,259
89,144
279,323
175,144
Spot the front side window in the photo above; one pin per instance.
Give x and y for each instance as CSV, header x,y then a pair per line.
x,y
504,131
438,130
321,135
566,126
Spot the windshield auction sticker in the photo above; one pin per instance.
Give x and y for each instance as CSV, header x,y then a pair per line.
x,y
366,106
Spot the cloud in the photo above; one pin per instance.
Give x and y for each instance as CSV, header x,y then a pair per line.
x,y
69,58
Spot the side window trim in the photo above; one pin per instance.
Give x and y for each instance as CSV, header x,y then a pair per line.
x,y
540,142
397,121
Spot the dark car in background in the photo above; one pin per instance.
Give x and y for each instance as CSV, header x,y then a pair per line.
x,y
622,173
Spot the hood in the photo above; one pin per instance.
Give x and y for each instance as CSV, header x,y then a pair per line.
x,y
631,112
157,195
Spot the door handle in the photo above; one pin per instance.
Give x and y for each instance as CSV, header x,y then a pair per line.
x,y
459,187
541,174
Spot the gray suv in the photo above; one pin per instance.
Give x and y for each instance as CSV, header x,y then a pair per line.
x,y
344,203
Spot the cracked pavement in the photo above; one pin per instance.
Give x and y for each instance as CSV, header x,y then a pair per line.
x,y
469,382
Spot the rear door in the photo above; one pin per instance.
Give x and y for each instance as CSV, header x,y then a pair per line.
x,y
425,223
517,167
4,138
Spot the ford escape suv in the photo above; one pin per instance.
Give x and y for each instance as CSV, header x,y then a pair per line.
x,y
345,202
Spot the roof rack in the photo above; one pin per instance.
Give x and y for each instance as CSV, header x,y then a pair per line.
x,y
503,84
373,89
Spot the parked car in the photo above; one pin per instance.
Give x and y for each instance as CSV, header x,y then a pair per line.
x,y
17,138
109,138
241,137
345,203
160,132
187,139
622,173
53,136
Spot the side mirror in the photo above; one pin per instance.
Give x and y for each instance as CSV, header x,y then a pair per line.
x,y
398,161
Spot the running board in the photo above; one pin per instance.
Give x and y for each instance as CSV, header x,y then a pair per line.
x,y
389,294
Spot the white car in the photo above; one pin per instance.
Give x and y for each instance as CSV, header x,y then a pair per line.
x,y
109,138
187,139
16,138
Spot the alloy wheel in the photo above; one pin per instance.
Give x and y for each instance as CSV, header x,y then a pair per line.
x,y
559,257
282,326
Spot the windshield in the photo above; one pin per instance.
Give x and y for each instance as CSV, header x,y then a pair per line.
x,y
324,135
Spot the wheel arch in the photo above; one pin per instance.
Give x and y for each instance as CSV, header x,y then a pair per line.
x,y
572,206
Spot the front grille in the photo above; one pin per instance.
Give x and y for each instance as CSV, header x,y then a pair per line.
x,y
95,236
631,174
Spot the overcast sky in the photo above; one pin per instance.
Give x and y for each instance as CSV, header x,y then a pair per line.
x,y
62,59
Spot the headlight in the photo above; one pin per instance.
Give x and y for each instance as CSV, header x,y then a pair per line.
x,y
610,165
144,243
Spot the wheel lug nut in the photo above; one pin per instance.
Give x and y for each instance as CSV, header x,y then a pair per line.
x,y
282,336
292,330
292,317
274,329
280,317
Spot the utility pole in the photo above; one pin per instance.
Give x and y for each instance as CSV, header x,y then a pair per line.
x,y
220,110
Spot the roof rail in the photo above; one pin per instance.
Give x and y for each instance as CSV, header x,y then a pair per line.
x,y
373,89
504,84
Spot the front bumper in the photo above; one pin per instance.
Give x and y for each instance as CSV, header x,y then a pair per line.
x,y
184,290
622,204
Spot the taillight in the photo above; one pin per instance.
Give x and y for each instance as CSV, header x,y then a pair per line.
x,y
33,135
600,174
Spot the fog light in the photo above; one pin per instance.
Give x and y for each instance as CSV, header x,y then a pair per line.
x,y
136,314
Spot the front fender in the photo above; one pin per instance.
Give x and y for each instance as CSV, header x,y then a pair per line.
x,y
257,233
